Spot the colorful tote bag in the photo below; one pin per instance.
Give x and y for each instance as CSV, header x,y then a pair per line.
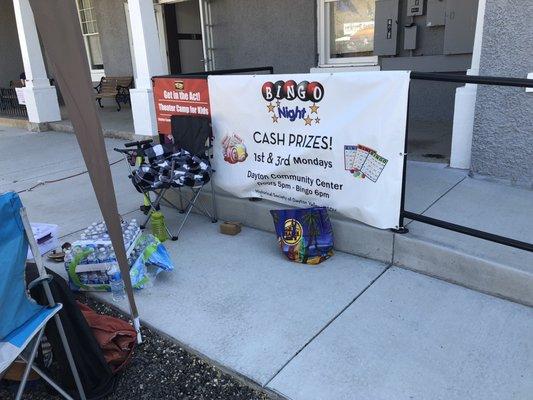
x,y
305,235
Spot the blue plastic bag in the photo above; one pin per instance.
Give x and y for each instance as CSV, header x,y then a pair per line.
x,y
305,235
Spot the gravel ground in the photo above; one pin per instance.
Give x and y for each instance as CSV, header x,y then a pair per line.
x,y
159,369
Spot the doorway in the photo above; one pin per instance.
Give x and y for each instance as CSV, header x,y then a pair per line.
x,y
183,26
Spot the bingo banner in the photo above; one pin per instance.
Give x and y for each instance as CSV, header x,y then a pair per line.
x,y
179,96
334,140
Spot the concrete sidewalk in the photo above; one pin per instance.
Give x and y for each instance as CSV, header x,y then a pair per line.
x,y
115,124
32,159
487,206
350,328
451,195
413,337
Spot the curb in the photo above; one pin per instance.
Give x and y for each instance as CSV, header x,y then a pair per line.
x,y
406,251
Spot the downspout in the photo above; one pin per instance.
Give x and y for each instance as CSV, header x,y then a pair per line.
x,y
465,103
201,5
210,42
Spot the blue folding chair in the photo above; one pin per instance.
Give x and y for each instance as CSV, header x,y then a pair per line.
x,y
22,320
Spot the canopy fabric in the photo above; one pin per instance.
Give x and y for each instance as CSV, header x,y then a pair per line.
x,y
59,29
16,307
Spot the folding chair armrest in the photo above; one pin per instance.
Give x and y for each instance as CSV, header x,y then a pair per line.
x,y
172,166
171,174
40,280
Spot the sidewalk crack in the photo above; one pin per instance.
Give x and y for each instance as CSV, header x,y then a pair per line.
x,y
326,326
440,197
82,229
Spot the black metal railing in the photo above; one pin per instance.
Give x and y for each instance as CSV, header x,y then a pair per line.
x,y
9,104
235,71
438,77
480,80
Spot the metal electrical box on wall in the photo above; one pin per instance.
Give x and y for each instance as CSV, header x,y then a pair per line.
x,y
415,8
409,37
460,27
436,13
386,27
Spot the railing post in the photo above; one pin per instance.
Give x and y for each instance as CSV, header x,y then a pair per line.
x,y
401,229
469,79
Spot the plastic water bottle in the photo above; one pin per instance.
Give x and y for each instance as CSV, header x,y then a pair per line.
x,y
68,258
102,255
150,240
93,278
134,227
116,283
76,252
91,257
84,278
102,276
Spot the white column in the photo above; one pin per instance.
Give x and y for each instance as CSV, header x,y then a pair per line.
x,y
465,103
41,98
147,64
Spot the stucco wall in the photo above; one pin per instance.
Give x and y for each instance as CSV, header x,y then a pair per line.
x,y
429,101
114,40
10,58
283,33
503,129
256,33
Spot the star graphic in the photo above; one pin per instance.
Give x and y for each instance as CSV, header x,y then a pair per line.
x,y
274,119
308,120
278,103
317,120
271,107
314,108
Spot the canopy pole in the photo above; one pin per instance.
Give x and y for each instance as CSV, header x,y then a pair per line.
x,y
59,28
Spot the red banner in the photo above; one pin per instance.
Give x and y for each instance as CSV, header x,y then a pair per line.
x,y
179,96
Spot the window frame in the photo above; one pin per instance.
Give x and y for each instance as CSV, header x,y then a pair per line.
x,y
96,73
324,40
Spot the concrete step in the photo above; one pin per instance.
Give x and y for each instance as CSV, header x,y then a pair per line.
x,y
109,132
440,193
23,123
479,264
